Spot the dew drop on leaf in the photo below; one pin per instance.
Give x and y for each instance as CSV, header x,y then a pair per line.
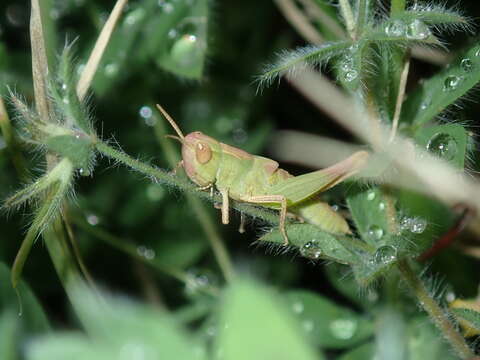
x,y
350,75
418,225
466,64
385,255
93,219
443,145
308,325
418,30
395,28
381,206
451,83
297,307
371,195
343,329
425,104
111,69
375,232
311,250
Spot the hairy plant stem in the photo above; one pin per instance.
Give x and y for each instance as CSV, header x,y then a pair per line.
x,y
203,217
347,15
400,95
437,314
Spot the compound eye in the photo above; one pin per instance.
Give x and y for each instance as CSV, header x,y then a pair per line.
x,y
203,153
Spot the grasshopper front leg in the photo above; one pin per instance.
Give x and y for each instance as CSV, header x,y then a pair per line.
x,y
225,207
273,199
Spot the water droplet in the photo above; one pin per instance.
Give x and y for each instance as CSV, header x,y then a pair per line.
x,y
385,255
466,64
406,223
111,69
146,112
335,207
308,325
146,252
199,280
135,16
395,28
346,65
375,232
418,225
451,83
239,136
418,30
381,206
93,219
64,86
155,192
66,101
343,329
350,75
443,145
16,15
450,296
297,307
311,250
425,104
166,6
371,195
84,172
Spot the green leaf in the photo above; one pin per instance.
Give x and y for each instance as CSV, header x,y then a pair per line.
x,y
185,45
327,324
442,90
363,352
255,325
438,15
448,142
9,324
316,244
369,212
33,318
469,316
117,329
77,148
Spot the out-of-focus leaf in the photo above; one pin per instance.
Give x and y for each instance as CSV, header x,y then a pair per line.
x,y
33,318
363,352
9,335
327,324
254,325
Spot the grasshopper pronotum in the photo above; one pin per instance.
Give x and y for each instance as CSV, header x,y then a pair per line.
x,y
254,179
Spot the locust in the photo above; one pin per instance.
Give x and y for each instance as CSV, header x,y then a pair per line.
x,y
258,180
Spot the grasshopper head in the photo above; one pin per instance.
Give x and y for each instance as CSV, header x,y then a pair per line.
x,y
201,157
200,153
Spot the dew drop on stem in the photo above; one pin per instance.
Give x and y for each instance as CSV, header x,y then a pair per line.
x,y
385,255
375,232
343,329
395,28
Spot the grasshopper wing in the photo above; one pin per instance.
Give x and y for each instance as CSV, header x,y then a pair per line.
x,y
302,187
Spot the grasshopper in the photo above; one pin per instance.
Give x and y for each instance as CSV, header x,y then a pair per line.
x,y
257,180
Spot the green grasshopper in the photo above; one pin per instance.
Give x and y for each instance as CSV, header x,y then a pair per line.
x,y
253,179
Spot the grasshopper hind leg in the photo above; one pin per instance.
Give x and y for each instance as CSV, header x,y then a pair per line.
x,y
273,199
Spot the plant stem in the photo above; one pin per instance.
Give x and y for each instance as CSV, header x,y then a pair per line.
x,y
362,9
400,95
203,217
437,314
131,250
347,14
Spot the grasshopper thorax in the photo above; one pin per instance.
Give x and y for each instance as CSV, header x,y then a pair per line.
x,y
201,157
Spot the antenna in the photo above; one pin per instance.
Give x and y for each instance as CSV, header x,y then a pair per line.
x,y
172,122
